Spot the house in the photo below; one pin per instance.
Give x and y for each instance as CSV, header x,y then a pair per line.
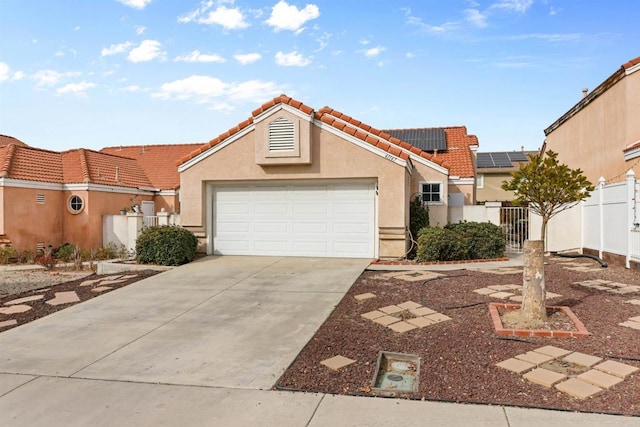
x,y
492,169
49,198
601,133
293,181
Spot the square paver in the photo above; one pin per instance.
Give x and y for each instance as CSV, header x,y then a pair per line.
x,y
372,314
582,359
337,362
409,305
386,320
484,291
15,309
552,351
599,378
578,388
534,357
401,327
422,311
618,369
366,296
391,309
544,377
631,324
502,295
516,365
421,322
438,317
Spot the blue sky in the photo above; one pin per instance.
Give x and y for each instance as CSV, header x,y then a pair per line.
x,y
99,73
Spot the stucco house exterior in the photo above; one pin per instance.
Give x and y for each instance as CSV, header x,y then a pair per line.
x,y
492,169
49,198
601,133
290,180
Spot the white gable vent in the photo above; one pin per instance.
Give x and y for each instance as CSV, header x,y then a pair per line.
x,y
281,135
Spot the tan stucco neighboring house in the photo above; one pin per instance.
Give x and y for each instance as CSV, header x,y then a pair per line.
x,y
492,169
293,181
601,133
49,198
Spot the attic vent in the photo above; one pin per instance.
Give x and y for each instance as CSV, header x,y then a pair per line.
x,y
40,247
281,135
40,199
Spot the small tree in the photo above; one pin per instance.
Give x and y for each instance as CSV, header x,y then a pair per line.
x,y
549,188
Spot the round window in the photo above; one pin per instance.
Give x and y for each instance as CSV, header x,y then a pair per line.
x,y
76,204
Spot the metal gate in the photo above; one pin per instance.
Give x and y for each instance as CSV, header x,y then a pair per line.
x,y
515,224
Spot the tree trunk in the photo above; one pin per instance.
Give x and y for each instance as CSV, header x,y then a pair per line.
x,y
533,289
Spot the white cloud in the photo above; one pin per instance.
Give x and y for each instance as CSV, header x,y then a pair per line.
x,y
476,17
148,50
252,91
200,88
18,75
4,72
288,17
247,58
131,88
78,89
47,77
140,29
115,49
228,18
59,54
374,51
76,28
520,6
410,55
292,59
554,37
434,29
196,56
136,4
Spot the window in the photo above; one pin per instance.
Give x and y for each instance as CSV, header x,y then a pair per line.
x,y
480,180
431,192
281,135
76,204
40,199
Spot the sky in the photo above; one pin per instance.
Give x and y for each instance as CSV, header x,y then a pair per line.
x,y
92,74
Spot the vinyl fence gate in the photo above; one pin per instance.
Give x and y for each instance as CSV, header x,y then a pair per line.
x,y
514,221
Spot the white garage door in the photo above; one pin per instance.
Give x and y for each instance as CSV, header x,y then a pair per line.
x,y
325,220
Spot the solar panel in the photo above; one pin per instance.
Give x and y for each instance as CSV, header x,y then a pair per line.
x,y
503,159
424,139
485,160
517,156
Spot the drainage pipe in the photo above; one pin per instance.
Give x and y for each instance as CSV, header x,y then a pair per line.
x,y
573,255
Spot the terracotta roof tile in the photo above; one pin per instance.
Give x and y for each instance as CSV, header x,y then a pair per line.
x,y
32,164
6,140
158,162
631,63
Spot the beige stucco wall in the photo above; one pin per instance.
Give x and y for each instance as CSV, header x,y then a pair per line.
x,y
423,173
1,211
492,190
332,158
593,139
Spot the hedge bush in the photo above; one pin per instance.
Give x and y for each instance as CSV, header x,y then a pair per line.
x,y
462,241
166,245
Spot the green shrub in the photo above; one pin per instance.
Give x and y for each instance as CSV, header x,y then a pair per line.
x,y
26,257
65,252
166,245
418,219
483,240
7,253
109,251
462,241
439,244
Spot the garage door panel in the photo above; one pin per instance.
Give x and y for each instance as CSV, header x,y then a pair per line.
x,y
336,219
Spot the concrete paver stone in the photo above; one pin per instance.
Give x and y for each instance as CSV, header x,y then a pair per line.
x,y
15,309
64,298
484,291
582,359
635,319
422,311
386,320
516,365
409,305
633,301
552,351
101,289
372,314
631,324
25,299
366,296
504,287
534,357
544,377
6,323
401,327
516,298
112,282
578,388
391,309
337,362
621,370
501,295
599,378
421,322
438,317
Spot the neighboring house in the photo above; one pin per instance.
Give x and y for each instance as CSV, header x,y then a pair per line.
x,y
601,133
49,198
297,182
492,170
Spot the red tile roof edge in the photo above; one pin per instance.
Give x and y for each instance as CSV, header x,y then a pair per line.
x,y
631,63
6,166
115,147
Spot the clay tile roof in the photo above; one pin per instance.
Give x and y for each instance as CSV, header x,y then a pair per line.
x,y
6,140
158,162
631,63
82,166
458,155
31,164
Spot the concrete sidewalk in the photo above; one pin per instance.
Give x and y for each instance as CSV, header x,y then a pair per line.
x,y
202,345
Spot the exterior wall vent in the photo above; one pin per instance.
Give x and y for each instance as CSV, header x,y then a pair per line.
x,y
281,135
40,247
40,199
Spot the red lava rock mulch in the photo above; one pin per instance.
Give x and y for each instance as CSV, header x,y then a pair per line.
x,y
458,357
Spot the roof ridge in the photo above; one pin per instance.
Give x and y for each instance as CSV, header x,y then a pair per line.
x,y
8,159
151,145
84,167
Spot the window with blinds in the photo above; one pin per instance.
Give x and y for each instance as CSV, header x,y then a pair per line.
x,y
281,135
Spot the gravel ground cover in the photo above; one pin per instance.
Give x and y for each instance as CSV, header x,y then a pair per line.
x,y
458,357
